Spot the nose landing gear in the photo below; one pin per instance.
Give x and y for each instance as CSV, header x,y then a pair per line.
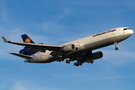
x,y
116,44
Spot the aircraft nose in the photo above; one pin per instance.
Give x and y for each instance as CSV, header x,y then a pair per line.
x,y
131,32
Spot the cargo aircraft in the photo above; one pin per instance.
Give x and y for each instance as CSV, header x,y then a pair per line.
x,y
79,50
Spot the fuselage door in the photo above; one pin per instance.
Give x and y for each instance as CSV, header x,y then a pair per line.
x,y
118,31
118,34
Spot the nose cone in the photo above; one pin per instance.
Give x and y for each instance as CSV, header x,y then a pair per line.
x,y
131,32
128,33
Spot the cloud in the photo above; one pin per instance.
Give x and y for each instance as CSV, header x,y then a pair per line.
x,y
52,27
28,85
95,3
118,57
64,14
9,84
130,3
3,10
19,87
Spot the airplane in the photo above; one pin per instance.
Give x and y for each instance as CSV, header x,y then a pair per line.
x,y
79,50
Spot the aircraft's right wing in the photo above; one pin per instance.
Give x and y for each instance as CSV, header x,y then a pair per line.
x,y
48,47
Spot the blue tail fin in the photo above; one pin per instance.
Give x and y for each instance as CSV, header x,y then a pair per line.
x,y
26,39
25,51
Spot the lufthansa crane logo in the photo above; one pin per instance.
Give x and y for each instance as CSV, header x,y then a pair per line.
x,y
27,40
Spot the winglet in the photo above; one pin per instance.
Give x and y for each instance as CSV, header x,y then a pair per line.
x,y
4,39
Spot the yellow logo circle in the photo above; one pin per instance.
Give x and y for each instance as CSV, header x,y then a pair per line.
x,y
27,40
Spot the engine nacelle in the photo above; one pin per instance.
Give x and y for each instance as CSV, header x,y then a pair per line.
x,y
96,55
68,48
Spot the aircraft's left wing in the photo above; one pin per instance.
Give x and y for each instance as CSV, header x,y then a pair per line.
x,y
48,47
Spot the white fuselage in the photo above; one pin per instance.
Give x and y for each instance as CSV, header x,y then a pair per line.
x,y
87,44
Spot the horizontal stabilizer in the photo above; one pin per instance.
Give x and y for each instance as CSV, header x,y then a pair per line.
x,y
22,56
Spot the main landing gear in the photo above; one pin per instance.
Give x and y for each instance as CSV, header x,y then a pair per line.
x,y
77,64
70,59
116,44
59,60
67,61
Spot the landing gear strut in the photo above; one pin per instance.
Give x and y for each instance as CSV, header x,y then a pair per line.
x,y
116,44
92,62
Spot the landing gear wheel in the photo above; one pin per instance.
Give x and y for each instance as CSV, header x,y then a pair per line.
x,y
116,48
76,64
68,61
59,60
62,60
79,63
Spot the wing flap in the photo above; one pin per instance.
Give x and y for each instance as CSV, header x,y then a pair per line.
x,y
22,56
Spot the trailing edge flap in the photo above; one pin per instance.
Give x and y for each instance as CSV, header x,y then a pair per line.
x,y
22,56
48,47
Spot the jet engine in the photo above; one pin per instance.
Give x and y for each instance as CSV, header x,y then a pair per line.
x,y
96,55
68,48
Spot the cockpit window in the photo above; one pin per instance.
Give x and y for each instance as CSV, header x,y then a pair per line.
x,y
126,28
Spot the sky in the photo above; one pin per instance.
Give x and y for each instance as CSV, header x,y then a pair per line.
x,y
57,22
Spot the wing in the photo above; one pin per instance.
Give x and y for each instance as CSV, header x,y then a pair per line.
x,y
48,47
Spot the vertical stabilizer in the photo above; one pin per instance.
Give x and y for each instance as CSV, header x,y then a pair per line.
x,y
26,51
26,39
